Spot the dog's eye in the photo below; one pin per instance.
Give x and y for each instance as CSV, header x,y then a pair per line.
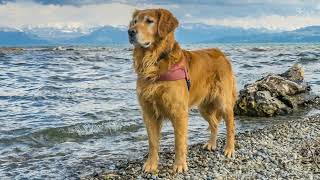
x,y
135,21
149,21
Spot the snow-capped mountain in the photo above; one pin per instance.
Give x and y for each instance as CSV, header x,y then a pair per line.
x,y
57,34
103,35
186,33
13,37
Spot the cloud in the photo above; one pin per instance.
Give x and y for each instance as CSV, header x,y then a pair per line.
x,y
212,2
30,14
89,2
34,14
251,8
270,14
272,22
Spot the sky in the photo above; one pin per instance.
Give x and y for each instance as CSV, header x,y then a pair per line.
x,y
84,14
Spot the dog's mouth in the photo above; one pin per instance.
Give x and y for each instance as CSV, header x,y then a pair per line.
x,y
134,41
147,44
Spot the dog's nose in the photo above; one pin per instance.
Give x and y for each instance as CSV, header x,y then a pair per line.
x,y
132,32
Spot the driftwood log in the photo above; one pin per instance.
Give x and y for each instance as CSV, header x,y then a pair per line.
x,y
275,94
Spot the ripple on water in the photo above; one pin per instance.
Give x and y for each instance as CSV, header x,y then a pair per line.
x,y
259,49
309,59
73,133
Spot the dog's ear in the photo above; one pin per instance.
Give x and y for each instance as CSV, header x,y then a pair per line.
x,y
135,13
167,22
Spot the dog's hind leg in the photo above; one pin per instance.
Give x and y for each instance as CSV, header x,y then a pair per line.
x,y
213,118
229,118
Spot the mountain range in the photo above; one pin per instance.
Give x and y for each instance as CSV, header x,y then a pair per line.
x,y
186,33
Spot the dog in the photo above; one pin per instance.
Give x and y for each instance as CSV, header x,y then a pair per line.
x,y
208,84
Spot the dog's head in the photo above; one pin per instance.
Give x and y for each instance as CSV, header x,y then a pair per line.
x,y
150,25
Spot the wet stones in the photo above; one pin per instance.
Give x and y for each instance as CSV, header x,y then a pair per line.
x,y
287,150
274,94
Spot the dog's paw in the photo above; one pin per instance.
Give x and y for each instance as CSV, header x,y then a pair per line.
x,y
150,166
180,167
229,151
209,146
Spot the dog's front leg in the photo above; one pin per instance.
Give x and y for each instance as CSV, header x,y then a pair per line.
x,y
180,125
153,126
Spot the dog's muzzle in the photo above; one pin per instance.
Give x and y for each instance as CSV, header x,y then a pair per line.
x,y
132,35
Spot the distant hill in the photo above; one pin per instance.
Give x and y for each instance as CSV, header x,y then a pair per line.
x,y
17,38
103,35
186,33
303,35
195,33
55,34
310,30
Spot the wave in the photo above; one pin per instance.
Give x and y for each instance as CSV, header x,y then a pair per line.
x,y
251,66
305,60
72,133
50,88
283,54
68,79
256,49
308,53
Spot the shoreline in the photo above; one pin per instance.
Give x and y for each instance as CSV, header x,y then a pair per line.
x,y
286,150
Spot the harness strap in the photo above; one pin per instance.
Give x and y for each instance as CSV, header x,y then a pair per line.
x,y
177,72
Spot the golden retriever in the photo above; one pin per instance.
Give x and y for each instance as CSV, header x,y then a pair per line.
x,y
212,90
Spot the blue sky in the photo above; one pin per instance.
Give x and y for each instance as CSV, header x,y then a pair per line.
x,y
64,14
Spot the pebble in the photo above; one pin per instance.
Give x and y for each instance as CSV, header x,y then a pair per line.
x,y
276,151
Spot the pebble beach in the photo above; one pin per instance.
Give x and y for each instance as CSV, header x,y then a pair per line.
x,y
289,150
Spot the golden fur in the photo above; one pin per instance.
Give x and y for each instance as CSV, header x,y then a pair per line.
x,y
213,86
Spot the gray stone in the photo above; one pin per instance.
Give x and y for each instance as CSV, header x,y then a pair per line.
x,y
274,94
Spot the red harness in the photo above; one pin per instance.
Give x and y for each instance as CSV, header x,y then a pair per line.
x,y
176,72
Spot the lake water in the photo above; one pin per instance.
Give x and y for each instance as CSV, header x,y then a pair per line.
x,y
67,113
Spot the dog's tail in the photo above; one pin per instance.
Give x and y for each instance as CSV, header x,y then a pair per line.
x,y
234,90
234,85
